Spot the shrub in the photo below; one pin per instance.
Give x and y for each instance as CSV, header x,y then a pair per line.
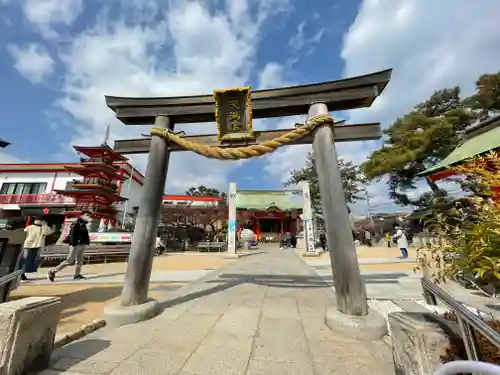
x,y
468,249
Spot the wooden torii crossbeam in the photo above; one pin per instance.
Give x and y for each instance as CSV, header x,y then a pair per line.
x,y
233,110
342,133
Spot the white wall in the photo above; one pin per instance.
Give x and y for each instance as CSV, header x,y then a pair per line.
x,y
60,184
133,193
40,177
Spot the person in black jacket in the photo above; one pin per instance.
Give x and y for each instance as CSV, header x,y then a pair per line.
x,y
77,239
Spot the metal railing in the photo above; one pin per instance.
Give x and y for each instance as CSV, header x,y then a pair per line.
x,y
6,283
35,199
467,320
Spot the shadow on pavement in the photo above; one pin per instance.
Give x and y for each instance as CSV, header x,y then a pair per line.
x,y
68,356
230,280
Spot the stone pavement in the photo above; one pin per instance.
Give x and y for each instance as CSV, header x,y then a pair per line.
x,y
263,314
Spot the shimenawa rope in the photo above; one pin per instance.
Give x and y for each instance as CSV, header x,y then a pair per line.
x,y
244,152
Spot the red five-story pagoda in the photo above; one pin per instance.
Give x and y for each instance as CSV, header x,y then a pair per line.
x,y
98,191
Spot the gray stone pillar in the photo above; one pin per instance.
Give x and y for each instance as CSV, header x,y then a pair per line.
x,y
231,222
351,317
349,288
136,286
134,304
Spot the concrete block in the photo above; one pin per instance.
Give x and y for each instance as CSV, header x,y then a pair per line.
x,y
418,342
117,315
27,331
370,327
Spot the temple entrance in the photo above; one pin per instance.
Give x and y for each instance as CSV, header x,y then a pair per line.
x,y
233,111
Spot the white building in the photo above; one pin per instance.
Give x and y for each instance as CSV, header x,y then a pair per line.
x,y
28,190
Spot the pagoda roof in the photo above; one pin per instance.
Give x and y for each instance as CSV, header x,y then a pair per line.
x,y
94,193
104,149
264,200
100,164
100,170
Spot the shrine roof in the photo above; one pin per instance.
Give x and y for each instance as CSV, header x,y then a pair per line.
x,y
484,138
194,198
262,200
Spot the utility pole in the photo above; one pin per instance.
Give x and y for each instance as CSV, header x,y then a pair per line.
x,y
369,210
106,135
129,190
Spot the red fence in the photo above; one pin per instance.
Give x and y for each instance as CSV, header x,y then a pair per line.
x,y
35,199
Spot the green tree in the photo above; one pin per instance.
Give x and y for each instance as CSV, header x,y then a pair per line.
x,y
352,181
415,142
203,191
215,228
486,100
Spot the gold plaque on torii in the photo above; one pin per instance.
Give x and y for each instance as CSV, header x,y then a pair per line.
x,y
233,114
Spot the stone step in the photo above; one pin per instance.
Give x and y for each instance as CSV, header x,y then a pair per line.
x,y
411,306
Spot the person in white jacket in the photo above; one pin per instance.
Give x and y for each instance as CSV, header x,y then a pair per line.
x,y
402,241
36,234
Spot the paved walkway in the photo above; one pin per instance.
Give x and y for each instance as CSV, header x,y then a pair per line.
x,y
263,314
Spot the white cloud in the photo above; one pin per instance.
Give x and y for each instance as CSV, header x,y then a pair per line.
x,y
424,59
271,76
32,61
6,158
45,15
299,40
430,45
123,59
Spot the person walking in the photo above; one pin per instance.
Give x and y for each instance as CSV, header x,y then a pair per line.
x,y
368,238
77,239
402,241
322,241
159,245
36,234
388,239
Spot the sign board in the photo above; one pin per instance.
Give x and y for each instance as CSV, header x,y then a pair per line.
x,y
310,240
233,114
118,237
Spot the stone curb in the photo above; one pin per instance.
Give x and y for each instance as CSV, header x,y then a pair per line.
x,y
79,333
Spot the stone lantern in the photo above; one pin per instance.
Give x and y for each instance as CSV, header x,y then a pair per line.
x,y
247,236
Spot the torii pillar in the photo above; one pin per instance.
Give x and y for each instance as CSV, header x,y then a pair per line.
x,y
134,305
351,317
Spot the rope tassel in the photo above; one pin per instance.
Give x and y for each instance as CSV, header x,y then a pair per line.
x,y
245,152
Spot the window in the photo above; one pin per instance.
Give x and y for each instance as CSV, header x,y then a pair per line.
x,y
23,188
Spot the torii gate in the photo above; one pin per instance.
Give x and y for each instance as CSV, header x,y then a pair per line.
x,y
233,110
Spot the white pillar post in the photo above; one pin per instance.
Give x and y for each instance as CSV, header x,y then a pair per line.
x,y
231,223
307,217
102,226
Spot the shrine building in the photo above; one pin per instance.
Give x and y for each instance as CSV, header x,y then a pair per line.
x,y
477,140
266,212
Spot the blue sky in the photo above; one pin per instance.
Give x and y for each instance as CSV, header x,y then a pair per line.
x,y
58,58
